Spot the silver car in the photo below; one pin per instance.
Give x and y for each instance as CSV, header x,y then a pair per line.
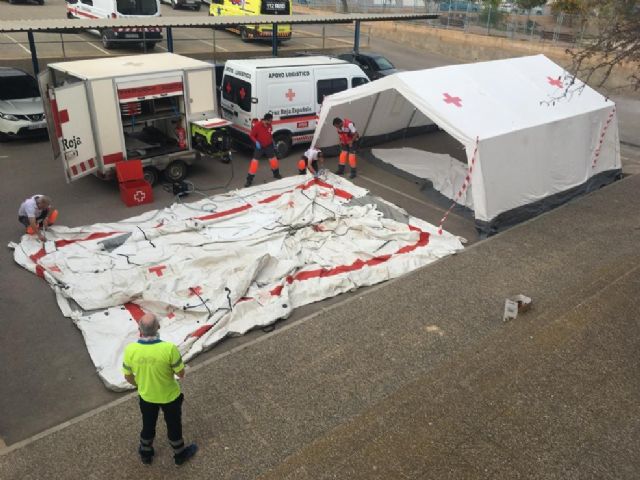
x,y
21,111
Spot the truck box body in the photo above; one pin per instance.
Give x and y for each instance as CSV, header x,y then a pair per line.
x,y
103,111
292,89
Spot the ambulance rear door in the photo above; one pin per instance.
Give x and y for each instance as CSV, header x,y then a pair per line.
x,y
238,99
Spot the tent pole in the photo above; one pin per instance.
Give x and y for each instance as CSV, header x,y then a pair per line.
x,y
406,129
375,102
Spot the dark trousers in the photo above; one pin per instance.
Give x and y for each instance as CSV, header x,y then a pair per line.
x,y
25,220
172,417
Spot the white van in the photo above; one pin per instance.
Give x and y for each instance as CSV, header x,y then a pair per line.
x,y
292,89
112,37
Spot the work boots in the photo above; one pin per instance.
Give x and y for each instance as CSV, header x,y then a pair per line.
x,y
276,173
188,452
352,175
249,181
340,170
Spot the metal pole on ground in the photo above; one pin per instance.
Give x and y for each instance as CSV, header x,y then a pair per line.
x,y
170,39
34,53
356,38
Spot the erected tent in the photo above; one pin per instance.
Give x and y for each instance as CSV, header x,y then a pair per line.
x,y
529,146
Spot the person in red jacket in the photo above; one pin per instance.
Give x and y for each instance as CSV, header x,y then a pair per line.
x,y
348,136
261,136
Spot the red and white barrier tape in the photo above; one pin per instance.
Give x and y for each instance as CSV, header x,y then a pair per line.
x,y
463,188
602,134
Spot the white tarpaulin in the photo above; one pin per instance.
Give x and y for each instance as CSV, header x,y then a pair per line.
x,y
533,141
225,264
446,174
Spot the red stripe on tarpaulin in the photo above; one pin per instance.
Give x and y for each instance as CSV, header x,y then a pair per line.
x,y
63,243
134,310
224,213
359,264
314,181
159,89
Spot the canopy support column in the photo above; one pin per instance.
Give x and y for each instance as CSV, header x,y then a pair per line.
x,y
356,38
170,39
274,39
34,53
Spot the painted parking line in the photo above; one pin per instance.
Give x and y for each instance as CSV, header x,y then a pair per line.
x,y
329,37
88,42
206,42
18,43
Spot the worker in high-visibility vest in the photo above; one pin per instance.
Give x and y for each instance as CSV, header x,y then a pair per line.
x,y
312,160
263,140
348,136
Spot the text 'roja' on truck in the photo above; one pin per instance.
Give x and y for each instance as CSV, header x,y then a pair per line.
x,y
222,8
112,37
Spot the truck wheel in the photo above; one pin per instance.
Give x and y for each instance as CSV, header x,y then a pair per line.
x,y
151,175
107,40
244,35
176,171
197,8
174,4
4,137
151,45
282,144
226,158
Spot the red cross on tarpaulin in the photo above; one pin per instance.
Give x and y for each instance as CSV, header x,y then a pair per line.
x,y
556,82
242,93
228,87
457,101
290,94
157,270
195,291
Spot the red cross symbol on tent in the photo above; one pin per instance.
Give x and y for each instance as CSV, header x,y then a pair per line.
x,y
556,82
139,196
457,101
242,93
228,87
290,94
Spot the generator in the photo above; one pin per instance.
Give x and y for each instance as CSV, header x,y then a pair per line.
x,y
212,137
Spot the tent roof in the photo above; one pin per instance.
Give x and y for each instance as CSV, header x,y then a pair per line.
x,y
485,99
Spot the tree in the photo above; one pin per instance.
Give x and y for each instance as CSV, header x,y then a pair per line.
x,y
529,4
616,40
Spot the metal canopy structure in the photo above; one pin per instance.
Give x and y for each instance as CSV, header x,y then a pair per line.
x,y
168,23
74,26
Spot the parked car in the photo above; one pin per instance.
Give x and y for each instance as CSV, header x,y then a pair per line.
x,y
374,65
21,110
175,4
459,7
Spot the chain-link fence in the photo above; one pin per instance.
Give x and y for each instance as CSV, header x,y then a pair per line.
x,y
538,24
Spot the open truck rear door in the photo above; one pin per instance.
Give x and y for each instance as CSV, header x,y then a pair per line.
x,y
68,114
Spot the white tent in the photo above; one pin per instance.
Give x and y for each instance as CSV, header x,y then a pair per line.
x,y
535,147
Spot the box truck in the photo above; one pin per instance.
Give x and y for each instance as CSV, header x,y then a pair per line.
x,y
153,107
292,89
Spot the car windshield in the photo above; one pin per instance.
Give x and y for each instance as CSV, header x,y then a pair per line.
x,y
18,86
137,7
383,63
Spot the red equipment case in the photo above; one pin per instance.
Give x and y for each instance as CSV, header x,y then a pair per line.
x,y
134,190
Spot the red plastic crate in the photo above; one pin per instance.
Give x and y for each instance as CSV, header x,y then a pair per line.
x,y
133,188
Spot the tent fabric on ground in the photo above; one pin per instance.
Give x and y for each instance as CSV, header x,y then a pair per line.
x,y
226,264
538,144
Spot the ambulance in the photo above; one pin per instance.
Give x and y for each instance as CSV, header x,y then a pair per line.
x,y
220,8
291,89
112,37
104,111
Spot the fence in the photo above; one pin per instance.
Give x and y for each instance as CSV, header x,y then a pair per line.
x,y
538,24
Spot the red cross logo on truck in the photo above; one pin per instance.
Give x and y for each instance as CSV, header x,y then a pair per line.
x,y
242,93
290,95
